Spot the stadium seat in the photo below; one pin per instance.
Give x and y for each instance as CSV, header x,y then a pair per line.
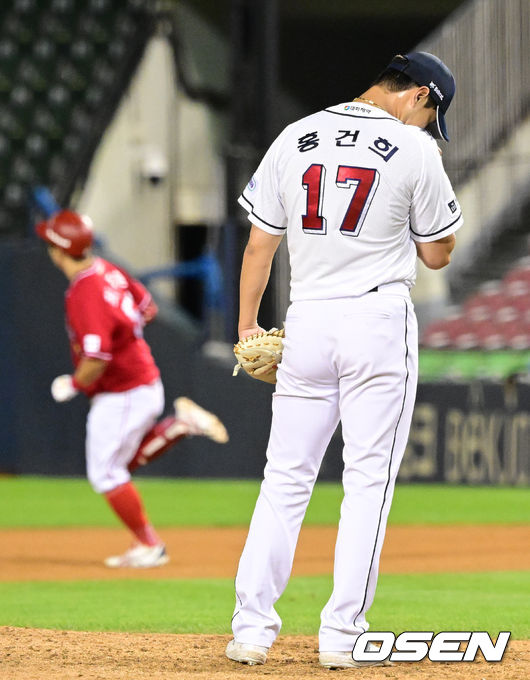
x,y
56,29
486,334
72,145
69,75
6,83
435,335
30,75
36,146
11,126
57,168
59,61
517,309
25,8
94,30
517,285
506,314
9,56
66,9
15,195
516,334
46,123
493,320
80,120
22,171
466,340
20,28
440,334
124,26
82,54
93,97
477,308
103,73
21,103
117,49
484,304
59,101
100,7
517,281
44,53
5,149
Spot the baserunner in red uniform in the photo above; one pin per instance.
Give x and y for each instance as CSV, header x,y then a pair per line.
x,y
106,310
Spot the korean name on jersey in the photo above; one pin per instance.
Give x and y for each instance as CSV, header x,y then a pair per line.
x,y
353,188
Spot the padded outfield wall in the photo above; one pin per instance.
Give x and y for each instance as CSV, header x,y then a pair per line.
x,y
463,433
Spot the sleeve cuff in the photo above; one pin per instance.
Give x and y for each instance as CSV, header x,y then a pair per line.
x,y
441,233
259,221
104,356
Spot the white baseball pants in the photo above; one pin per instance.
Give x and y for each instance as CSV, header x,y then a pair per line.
x,y
116,424
353,359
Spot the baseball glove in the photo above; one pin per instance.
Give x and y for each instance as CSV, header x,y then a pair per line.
x,y
260,354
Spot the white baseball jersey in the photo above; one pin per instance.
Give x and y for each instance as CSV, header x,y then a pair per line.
x,y
353,188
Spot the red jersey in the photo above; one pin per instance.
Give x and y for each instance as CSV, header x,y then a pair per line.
x,y
104,307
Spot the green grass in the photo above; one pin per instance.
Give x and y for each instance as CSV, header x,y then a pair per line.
x,y
485,601
445,504
51,502
491,601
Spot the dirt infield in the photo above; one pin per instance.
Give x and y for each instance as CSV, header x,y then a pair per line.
x,y
77,554
66,655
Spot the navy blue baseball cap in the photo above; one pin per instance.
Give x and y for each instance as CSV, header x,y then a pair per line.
x,y
426,69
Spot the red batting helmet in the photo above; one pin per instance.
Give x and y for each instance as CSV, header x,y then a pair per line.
x,y
67,230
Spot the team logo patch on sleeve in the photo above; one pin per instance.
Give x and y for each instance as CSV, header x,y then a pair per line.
x,y
252,184
452,206
91,343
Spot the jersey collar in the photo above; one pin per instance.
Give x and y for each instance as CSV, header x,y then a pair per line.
x,y
361,110
89,271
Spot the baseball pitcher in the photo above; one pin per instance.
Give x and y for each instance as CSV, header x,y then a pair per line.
x,y
360,192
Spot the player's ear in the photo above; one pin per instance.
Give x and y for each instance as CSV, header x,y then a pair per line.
x,y
422,94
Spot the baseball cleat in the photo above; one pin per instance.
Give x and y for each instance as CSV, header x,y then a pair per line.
x,y
338,660
140,557
252,655
200,421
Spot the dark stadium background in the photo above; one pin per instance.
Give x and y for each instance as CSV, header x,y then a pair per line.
x,y
284,59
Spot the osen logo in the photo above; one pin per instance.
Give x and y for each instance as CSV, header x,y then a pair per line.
x,y
445,646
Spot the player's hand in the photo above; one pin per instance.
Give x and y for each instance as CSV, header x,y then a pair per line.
x,y
246,332
150,312
63,388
